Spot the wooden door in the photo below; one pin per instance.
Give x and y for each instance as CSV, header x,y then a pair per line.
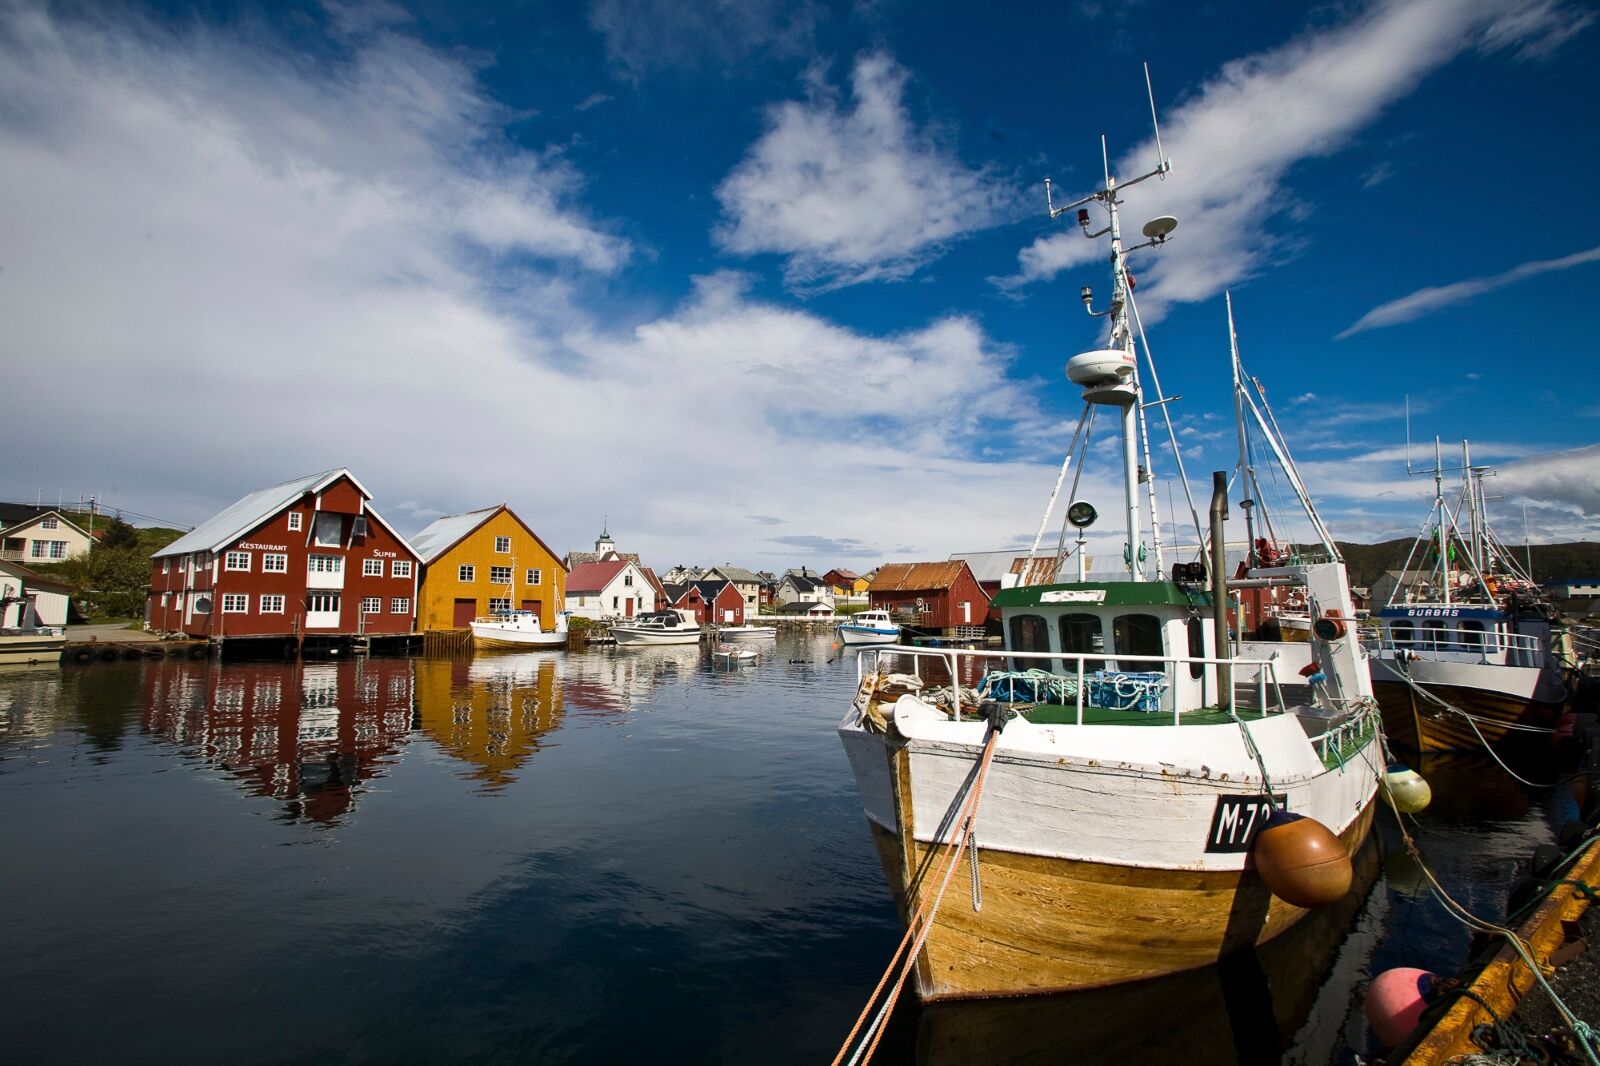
x,y
465,612
536,606
628,606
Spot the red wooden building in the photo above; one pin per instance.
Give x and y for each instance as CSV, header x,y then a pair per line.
x,y
940,596
307,558
718,602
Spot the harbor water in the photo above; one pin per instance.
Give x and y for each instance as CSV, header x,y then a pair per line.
x,y
609,855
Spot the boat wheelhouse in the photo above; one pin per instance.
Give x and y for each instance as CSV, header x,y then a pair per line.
x,y
675,626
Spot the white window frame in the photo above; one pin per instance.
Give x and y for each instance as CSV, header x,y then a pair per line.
x,y
372,568
502,545
271,603
400,568
501,575
499,603
50,523
274,563
235,603
535,577
372,605
324,596
58,549
321,563
294,521
400,605
466,573
233,558
358,528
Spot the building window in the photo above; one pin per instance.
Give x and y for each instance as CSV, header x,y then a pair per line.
x,y
467,573
325,564
328,528
202,604
372,568
48,549
50,523
272,604
499,575
164,564
164,596
322,603
627,580
235,603
400,568
502,545
614,602
358,528
498,604
294,521
400,605
275,563
236,561
535,577
371,604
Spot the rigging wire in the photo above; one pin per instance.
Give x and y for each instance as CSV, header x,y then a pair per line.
x,y
1172,436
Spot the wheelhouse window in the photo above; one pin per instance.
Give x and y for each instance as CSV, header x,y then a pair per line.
x,y
1471,633
1402,632
1138,634
1197,647
1081,634
1028,633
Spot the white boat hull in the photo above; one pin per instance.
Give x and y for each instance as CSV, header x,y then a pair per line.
x,y
747,633
494,637
850,635
639,637
24,649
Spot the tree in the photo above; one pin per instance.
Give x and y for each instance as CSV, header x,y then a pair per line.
x,y
118,534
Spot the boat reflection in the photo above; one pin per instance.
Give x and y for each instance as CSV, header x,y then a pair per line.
x,y
306,734
615,680
492,712
1294,992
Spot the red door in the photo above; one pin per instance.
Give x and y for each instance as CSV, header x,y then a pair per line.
x,y
466,611
628,604
536,606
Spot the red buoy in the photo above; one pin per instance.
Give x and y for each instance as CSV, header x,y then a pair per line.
x,y
1395,1002
1301,861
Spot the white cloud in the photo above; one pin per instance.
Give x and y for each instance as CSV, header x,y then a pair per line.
x,y
643,37
237,268
853,193
1428,300
1566,479
1234,140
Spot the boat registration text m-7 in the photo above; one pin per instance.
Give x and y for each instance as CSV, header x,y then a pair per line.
x,y
1237,820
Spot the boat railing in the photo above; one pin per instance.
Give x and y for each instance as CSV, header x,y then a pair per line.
x,y
1520,648
1082,668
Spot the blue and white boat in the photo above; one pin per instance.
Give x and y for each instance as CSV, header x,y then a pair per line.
x,y
869,627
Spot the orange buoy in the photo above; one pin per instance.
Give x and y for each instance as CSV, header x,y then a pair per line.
x,y
1395,1002
1301,861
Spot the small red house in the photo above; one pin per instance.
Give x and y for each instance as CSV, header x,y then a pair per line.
x,y
938,596
309,557
717,602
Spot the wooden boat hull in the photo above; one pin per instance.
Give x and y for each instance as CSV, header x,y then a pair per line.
x,y
1058,925
1414,722
518,642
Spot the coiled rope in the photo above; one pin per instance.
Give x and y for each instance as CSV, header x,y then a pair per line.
x,y
921,923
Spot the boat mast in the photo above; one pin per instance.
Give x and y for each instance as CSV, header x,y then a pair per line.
x,y
1110,376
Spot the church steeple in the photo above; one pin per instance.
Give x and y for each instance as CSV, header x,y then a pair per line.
x,y
604,544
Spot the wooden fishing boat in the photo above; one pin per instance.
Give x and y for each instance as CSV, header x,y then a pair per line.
x,y
517,631
1119,771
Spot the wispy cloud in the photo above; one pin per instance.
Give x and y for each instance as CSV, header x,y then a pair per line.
x,y
644,37
856,192
1235,139
592,100
1435,297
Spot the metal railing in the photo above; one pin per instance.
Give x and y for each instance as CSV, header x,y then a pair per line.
x,y
952,658
1521,649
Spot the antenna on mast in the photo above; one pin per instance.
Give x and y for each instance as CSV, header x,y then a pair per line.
x,y
1161,154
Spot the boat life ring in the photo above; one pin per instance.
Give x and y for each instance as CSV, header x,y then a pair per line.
x,y
1330,626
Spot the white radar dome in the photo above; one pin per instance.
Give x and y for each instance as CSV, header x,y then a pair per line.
x,y
1108,366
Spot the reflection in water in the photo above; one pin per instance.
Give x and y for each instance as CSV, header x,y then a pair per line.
x,y
618,679
1248,1008
491,711
303,733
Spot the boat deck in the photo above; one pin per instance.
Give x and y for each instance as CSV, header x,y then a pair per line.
x,y
1062,714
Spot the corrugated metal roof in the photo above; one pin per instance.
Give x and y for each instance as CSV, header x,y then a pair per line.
x,y
911,577
443,532
237,519
592,577
738,574
992,567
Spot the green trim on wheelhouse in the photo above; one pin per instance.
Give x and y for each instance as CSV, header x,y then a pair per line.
x,y
1117,594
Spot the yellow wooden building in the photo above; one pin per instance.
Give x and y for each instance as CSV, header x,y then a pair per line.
x,y
482,561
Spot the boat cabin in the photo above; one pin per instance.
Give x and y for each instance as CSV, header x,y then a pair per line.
x,y
1470,633
1100,625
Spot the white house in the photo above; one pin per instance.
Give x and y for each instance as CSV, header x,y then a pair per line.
x,y
612,588
746,581
29,600
801,586
45,537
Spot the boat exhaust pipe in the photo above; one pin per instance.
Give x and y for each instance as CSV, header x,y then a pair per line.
x,y
1219,585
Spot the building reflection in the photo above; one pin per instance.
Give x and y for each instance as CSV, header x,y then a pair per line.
x,y
305,734
614,680
491,711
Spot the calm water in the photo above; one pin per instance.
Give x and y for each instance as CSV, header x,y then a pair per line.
x,y
606,856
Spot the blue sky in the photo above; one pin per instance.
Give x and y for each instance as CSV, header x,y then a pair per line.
x,y
773,283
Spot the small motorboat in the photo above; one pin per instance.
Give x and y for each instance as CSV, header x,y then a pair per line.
x,y
747,632
869,627
517,630
735,653
658,627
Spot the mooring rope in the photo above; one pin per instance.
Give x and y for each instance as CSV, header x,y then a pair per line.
x,y
921,923
1472,720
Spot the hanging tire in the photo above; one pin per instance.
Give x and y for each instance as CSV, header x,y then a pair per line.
x,y
109,655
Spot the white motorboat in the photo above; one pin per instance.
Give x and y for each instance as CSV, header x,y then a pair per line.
x,y
735,653
869,627
35,647
517,630
747,632
658,627
1122,792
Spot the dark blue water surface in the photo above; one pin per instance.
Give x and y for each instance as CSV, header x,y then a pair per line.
x,y
599,856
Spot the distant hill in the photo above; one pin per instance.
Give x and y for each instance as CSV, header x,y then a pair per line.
x,y
1551,562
